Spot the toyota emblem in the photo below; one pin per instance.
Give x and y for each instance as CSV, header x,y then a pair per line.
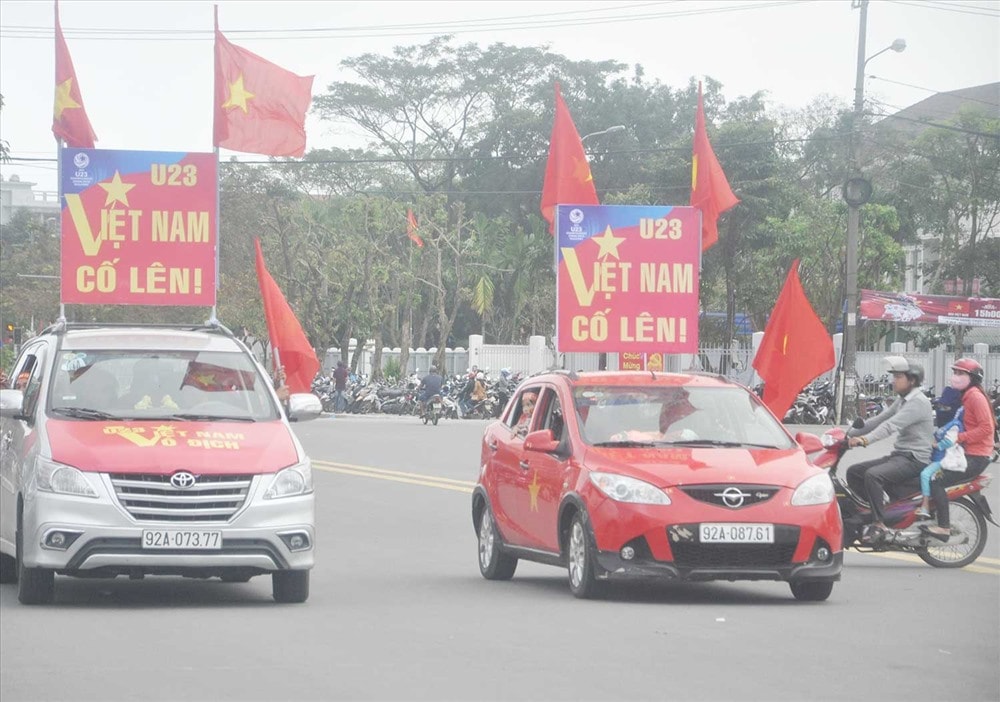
x,y
182,480
733,497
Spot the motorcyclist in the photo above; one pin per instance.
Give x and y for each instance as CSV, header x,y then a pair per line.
x,y
430,385
911,417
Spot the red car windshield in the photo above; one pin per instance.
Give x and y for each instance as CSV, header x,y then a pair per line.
x,y
677,415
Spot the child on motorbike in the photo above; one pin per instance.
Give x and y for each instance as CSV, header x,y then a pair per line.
x,y
947,456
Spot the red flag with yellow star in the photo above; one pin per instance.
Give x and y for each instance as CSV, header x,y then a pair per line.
x,y
567,173
710,191
260,108
796,347
412,229
69,118
297,356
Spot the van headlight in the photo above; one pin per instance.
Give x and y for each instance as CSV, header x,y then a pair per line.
x,y
817,490
296,480
624,489
62,479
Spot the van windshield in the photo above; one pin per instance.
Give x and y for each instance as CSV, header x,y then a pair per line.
x,y
160,385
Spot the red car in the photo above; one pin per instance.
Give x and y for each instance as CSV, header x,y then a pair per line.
x,y
619,475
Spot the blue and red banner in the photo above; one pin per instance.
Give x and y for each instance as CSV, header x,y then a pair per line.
x,y
627,278
138,227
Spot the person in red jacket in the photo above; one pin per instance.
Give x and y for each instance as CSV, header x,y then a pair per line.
x,y
977,439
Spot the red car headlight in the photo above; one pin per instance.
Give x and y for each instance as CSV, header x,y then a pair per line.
x,y
624,489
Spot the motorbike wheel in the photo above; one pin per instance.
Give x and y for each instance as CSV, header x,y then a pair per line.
x,y
424,417
970,520
434,419
811,590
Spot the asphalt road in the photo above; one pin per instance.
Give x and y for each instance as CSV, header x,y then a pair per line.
x,y
398,611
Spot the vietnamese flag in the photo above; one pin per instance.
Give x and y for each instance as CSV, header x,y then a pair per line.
x,y
411,229
796,347
69,117
293,349
567,173
710,190
260,108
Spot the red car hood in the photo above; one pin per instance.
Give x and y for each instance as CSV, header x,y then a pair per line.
x,y
204,448
697,466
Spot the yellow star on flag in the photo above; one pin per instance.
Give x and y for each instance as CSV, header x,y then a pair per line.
x,y
533,488
117,190
581,170
64,101
238,95
608,243
694,171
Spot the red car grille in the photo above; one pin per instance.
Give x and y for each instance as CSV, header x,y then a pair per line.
x,y
733,496
692,554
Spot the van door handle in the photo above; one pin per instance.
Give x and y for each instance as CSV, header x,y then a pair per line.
x,y
491,445
523,464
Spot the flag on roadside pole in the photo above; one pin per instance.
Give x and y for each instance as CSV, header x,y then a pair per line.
x,y
710,191
296,355
260,108
411,229
796,347
567,173
69,117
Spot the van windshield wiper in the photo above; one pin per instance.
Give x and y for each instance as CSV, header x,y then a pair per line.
x,y
190,417
84,413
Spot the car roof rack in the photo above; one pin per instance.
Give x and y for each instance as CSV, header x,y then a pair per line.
x,y
215,326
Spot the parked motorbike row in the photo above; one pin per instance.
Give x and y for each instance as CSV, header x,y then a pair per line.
x,y
814,405
364,396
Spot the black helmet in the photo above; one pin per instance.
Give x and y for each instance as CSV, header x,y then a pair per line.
x,y
434,369
898,364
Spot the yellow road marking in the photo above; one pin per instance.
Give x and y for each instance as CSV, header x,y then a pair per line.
x,y
910,558
384,471
395,478
995,561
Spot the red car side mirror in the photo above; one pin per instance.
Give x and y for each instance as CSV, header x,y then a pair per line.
x,y
541,440
810,443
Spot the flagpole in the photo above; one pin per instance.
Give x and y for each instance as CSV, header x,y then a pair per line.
x,y
213,320
59,183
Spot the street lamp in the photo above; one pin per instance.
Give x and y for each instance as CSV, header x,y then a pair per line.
x,y
857,191
602,358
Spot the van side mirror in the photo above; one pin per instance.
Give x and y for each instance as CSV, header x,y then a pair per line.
x,y
11,403
541,440
303,406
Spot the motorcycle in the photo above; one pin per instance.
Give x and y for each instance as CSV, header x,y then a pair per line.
x,y
432,410
969,513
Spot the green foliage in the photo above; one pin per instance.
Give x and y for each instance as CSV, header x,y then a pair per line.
x,y
392,370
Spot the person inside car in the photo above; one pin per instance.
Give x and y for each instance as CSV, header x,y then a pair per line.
x,y
911,418
528,401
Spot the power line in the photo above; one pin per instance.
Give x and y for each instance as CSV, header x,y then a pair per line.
x,y
935,125
950,93
980,11
44,33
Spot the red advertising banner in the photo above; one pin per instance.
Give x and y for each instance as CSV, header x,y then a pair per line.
x,y
138,227
930,309
627,278
631,361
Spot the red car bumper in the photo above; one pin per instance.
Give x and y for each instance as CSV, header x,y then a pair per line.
x,y
664,541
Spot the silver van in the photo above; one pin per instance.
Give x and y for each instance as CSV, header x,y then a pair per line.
x,y
151,450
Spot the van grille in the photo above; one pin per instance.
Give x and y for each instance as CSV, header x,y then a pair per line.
x,y
212,498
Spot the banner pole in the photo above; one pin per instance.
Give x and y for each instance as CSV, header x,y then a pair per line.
x,y
218,238
59,199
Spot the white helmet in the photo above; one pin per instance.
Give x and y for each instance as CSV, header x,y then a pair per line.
x,y
898,364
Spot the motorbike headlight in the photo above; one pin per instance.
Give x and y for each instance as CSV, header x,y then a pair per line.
x,y
624,489
62,479
296,480
817,490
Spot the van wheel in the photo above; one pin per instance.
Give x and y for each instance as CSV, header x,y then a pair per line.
x,y
812,590
290,586
34,585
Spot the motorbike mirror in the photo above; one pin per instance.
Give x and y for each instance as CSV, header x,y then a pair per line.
x,y
810,443
541,440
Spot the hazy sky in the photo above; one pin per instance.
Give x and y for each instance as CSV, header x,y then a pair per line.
x,y
147,79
